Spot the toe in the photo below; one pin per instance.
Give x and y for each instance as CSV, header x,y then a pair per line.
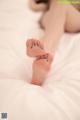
x,y
30,43
33,42
41,45
38,43
49,58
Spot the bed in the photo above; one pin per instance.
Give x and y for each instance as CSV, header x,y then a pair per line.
x,y
59,97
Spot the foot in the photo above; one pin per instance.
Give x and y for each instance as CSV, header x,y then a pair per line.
x,y
41,67
35,48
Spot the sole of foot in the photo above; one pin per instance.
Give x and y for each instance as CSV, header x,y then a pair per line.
x,y
41,68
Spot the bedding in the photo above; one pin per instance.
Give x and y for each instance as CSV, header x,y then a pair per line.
x,y
59,97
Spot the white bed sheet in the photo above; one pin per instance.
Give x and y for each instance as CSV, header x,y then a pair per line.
x,y
59,97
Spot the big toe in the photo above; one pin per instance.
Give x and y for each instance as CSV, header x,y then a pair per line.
x,y
29,42
50,58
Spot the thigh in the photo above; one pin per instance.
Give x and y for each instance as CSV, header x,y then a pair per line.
x,y
72,20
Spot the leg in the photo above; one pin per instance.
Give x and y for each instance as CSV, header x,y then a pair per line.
x,y
55,22
41,67
58,19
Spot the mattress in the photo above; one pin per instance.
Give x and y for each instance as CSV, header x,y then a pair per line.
x,y
59,97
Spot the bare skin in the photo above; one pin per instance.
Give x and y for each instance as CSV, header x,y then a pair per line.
x,y
41,67
56,20
35,48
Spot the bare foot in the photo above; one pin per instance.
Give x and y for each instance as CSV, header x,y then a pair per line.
x,y
41,67
35,48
